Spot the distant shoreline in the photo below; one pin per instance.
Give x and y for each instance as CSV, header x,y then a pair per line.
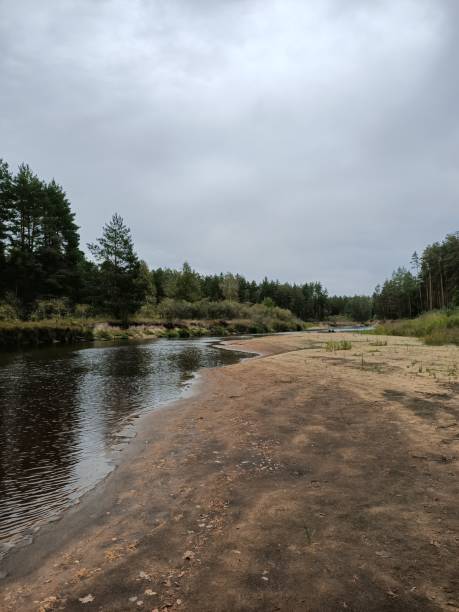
x,y
18,334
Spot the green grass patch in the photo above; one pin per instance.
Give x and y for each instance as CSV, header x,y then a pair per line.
x,y
341,345
435,328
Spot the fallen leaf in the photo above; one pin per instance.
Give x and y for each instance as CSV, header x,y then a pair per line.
x,y
86,599
48,603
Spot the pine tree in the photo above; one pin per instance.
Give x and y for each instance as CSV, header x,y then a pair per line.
x,y
229,286
6,181
123,283
188,285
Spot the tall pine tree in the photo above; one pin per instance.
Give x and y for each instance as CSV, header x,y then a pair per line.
x,y
123,287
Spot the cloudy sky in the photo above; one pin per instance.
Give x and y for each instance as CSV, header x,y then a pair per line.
x,y
301,140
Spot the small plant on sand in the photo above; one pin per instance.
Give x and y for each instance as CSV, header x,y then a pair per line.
x,y
309,533
342,345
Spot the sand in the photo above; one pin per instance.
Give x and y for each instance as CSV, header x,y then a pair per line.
x,y
304,479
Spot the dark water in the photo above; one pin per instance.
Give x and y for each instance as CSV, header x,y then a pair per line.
x,y
66,413
343,328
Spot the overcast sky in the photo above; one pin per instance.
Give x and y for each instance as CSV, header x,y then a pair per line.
x,y
305,141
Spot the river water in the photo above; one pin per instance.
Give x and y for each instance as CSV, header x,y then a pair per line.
x,y
66,413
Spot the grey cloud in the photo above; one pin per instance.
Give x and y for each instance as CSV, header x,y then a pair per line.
x,y
300,140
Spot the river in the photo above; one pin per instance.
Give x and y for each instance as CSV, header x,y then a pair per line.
x,y
67,413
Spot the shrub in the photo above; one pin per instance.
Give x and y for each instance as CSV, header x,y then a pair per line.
x,y
82,311
437,327
170,309
8,312
342,345
49,309
443,336
227,310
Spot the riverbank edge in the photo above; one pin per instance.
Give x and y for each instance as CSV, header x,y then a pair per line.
x,y
18,334
27,556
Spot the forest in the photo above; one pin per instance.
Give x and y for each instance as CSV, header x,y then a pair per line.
x,y
431,283
44,273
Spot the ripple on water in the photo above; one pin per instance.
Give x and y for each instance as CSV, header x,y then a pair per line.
x,y
65,413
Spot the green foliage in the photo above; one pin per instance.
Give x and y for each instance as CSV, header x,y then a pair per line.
x,y
8,312
82,311
124,282
268,302
40,261
443,336
229,286
359,308
23,333
187,285
341,345
170,309
432,284
49,309
398,297
39,253
256,318
437,327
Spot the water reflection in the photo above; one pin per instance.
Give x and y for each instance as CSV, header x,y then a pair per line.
x,y
63,413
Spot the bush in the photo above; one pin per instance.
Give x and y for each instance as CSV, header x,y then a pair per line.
x,y
264,318
23,333
227,310
218,330
49,309
8,312
82,311
443,336
437,327
170,309
342,345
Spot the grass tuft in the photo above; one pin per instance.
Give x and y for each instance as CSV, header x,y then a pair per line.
x,y
342,345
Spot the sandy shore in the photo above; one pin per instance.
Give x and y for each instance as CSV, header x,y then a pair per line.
x,y
302,480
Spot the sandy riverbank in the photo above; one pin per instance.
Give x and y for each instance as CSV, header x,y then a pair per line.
x,y
305,479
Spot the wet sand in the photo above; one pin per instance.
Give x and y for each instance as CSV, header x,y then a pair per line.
x,y
305,479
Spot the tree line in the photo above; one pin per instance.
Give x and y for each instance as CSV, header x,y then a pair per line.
x,y
41,262
431,282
